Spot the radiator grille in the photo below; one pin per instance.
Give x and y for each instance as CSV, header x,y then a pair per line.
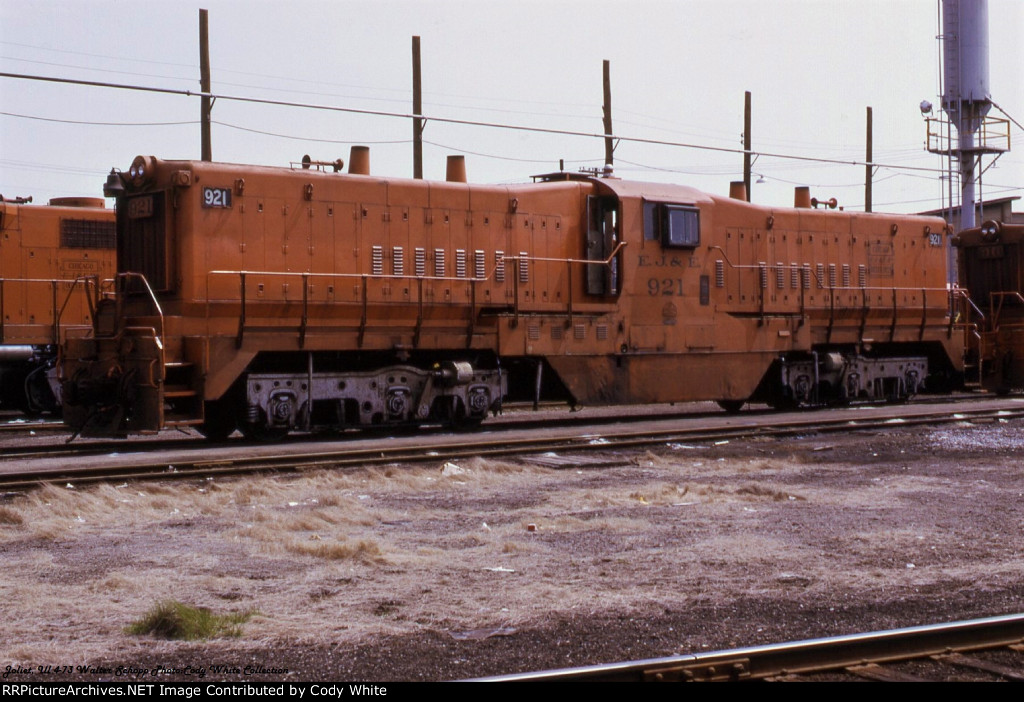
x,y
87,234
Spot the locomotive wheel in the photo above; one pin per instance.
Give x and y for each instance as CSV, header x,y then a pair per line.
x,y
37,398
262,434
732,406
467,423
218,421
457,418
783,402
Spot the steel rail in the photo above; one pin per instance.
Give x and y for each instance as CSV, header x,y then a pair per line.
x,y
137,446
852,654
486,446
26,425
18,423
522,422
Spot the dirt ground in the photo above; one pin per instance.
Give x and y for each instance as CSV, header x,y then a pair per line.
x,y
487,568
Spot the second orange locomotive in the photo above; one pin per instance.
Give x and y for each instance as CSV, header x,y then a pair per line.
x,y
271,299
52,259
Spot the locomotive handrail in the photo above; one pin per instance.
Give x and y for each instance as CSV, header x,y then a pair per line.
x,y
864,292
960,318
960,294
306,276
152,296
568,261
606,262
350,276
53,283
966,297
819,280
997,310
472,281
426,278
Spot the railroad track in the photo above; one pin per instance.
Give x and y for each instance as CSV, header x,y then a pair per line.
x,y
519,418
19,425
523,414
941,652
195,459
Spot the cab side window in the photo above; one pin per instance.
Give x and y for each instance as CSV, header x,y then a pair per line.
x,y
674,225
680,227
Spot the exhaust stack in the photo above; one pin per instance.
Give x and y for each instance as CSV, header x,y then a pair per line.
x,y
456,170
359,160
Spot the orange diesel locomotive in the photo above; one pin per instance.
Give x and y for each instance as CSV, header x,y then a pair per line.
x,y
272,299
43,250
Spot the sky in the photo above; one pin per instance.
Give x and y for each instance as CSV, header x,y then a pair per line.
x,y
678,74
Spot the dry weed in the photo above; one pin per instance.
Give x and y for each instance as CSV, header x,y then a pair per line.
x,y
10,516
760,491
363,551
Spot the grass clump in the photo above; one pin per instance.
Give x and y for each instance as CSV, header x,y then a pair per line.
x,y
364,551
175,620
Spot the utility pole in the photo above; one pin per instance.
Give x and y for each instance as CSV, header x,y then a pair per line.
x,y
417,109
609,147
868,167
746,143
205,105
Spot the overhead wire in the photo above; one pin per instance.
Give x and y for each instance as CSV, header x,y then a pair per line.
x,y
715,135
98,124
450,120
292,79
307,138
510,158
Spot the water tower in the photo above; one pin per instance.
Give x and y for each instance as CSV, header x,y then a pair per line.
x,y
966,100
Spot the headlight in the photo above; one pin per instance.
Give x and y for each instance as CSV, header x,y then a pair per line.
x,y
140,169
990,230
